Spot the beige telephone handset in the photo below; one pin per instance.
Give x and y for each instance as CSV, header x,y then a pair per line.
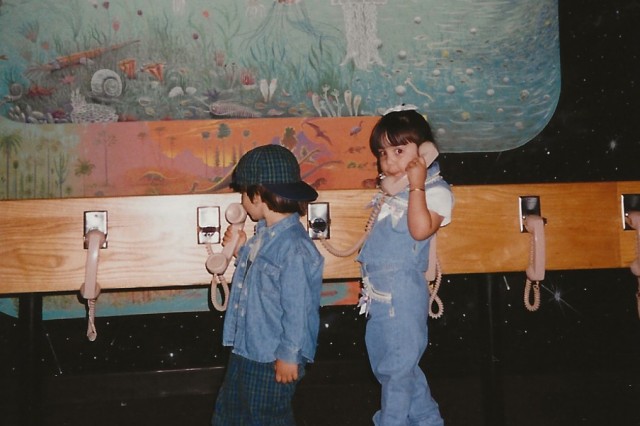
x,y
90,289
534,224
392,185
217,263
633,220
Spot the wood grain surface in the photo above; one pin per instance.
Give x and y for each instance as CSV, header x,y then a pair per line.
x,y
152,240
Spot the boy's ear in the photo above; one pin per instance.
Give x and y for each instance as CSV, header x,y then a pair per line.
x,y
256,199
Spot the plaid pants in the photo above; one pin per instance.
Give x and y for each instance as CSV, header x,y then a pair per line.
x,y
250,396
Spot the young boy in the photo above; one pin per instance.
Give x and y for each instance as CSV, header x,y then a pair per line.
x,y
273,311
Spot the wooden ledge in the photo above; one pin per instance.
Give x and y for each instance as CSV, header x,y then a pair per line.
x,y
152,240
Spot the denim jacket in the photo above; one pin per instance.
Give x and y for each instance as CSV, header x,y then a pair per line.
x,y
273,309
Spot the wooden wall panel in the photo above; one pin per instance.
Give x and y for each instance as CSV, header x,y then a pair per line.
x,y
152,241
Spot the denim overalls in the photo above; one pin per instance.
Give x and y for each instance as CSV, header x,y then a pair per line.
x,y
395,290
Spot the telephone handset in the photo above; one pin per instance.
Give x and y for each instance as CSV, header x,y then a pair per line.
x,y
633,220
392,185
217,263
534,224
90,289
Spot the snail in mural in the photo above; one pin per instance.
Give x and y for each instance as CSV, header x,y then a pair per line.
x,y
106,82
15,91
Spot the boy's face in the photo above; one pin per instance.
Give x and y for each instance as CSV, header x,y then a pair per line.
x,y
394,159
255,208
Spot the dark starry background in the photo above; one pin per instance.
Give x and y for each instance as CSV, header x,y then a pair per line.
x,y
574,362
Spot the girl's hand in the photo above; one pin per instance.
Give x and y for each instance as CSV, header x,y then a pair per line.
x,y
416,172
285,372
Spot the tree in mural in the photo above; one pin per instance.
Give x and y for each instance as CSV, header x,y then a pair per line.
x,y
172,144
106,140
159,130
83,169
51,146
224,131
9,144
142,137
205,140
61,170
16,166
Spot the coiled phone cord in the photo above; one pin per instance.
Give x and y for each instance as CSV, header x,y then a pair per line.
x,y
218,279
433,288
638,297
91,325
528,287
367,230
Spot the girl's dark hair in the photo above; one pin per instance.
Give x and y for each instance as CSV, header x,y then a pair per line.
x,y
275,202
399,128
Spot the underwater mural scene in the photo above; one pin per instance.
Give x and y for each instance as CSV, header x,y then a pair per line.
x,y
486,73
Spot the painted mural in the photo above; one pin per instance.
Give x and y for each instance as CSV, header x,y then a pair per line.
x,y
144,97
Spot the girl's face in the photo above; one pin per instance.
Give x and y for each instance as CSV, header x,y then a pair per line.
x,y
394,159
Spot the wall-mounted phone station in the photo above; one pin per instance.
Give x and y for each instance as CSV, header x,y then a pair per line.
x,y
208,225
318,220
628,203
529,205
95,220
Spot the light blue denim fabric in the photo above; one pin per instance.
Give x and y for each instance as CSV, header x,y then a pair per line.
x,y
273,309
393,266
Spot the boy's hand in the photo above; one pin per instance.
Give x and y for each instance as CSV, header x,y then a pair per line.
x,y
242,238
285,372
416,172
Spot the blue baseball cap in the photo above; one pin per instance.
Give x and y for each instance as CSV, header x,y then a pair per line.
x,y
275,168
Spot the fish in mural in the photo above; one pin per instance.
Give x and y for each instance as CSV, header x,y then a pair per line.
x,y
77,58
231,109
36,91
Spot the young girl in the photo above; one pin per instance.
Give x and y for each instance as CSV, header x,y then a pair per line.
x,y
394,260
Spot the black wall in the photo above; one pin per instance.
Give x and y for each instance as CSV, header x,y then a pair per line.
x,y
490,362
